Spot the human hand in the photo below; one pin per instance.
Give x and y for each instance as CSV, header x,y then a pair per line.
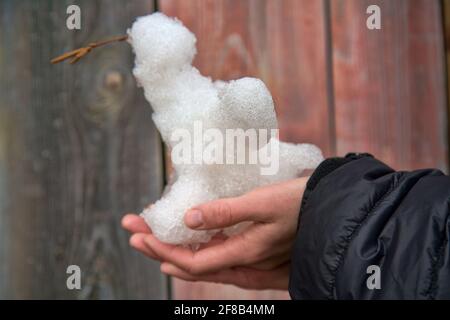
x,y
257,258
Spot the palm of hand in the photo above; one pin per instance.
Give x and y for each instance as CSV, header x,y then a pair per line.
x,y
257,258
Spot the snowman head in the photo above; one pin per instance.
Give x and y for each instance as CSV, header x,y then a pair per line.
x,y
165,46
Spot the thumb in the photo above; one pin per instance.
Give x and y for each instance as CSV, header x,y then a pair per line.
x,y
221,213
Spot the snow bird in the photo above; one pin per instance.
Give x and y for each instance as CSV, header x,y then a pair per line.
x,y
180,97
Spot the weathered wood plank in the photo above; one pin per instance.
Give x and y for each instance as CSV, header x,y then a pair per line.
x,y
446,9
281,42
77,150
390,96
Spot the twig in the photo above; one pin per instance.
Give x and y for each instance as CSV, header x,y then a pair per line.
x,y
77,54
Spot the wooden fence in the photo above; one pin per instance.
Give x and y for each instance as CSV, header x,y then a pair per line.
x,y
78,148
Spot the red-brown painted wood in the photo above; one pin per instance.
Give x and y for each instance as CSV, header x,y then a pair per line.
x,y
386,89
390,96
281,42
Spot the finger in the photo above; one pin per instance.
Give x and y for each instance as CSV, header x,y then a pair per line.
x,y
272,262
215,240
277,279
135,224
173,270
169,252
259,205
246,278
222,213
137,242
231,252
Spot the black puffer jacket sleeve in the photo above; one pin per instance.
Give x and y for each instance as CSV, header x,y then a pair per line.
x,y
356,213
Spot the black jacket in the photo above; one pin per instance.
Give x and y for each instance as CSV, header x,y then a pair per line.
x,y
357,212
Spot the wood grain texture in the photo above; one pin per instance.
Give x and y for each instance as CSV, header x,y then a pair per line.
x,y
77,150
281,42
284,44
446,10
389,84
78,147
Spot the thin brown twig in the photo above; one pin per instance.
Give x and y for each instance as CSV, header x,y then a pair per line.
x,y
77,54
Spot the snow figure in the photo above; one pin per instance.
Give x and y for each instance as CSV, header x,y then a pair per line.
x,y
191,110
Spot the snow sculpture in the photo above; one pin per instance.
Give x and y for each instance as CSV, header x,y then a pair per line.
x,y
191,110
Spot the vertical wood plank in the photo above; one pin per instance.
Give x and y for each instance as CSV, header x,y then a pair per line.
x,y
281,42
390,96
77,150
284,44
446,10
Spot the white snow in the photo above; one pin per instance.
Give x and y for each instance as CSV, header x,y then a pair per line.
x,y
180,96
